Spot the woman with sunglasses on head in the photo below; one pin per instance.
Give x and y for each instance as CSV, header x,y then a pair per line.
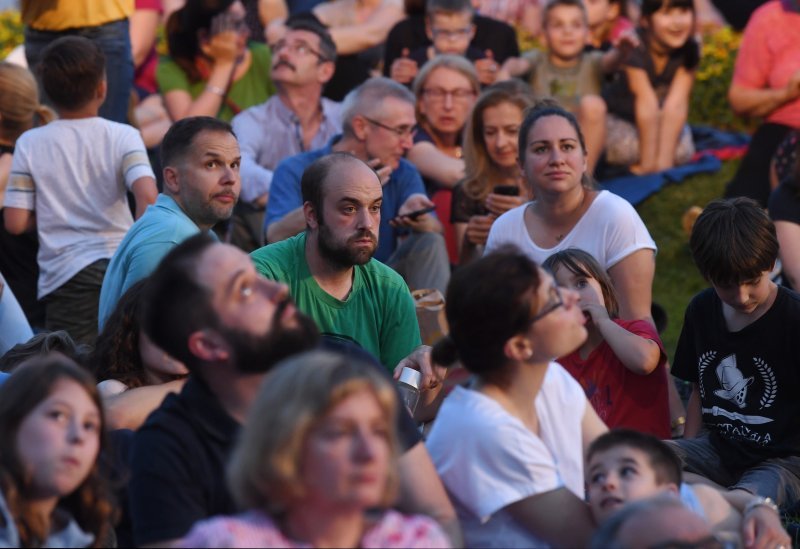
x,y
510,446
212,68
446,89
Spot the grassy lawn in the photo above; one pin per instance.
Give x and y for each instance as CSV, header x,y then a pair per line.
x,y
677,279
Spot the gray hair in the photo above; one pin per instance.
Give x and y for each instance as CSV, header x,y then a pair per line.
x,y
455,63
607,535
367,98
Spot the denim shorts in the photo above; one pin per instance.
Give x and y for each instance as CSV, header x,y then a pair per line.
x,y
776,478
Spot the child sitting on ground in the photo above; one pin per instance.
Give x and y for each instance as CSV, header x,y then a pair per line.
x,y
607,22
449,26
738,348
624,466
69,180
568,73
648,104
622,364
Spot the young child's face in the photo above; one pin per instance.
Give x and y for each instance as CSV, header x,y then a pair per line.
x,y
619,475
669,27
599,12
565,31
746,297
587,288
451,32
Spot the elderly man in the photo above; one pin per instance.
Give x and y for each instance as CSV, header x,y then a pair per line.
x,y
294,120
201,159
378,125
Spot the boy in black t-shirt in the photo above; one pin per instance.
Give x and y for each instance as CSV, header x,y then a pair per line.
x,y
739,348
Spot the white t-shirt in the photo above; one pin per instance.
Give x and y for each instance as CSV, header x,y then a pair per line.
x,y
74,174
488,459
610,230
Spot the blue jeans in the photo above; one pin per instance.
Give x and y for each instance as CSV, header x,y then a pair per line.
x,y
115,42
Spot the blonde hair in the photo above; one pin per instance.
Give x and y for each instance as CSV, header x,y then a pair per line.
x,y
264,471
20,109
455,63
481,171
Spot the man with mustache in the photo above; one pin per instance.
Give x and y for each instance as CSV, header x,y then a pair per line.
x,y
207,306
294,120
329,267
378,127
201,160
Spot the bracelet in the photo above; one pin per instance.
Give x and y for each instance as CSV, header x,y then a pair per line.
x,y
760,502
215,90
678,421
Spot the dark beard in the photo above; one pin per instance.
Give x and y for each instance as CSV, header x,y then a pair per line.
x,y
344,256
258,354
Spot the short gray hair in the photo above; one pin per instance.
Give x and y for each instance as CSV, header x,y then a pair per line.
x,y
366,99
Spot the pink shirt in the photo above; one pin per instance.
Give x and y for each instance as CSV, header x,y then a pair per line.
x,y
769,55
256,529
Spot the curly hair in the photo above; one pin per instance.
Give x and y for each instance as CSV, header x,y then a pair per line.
x,y
90,504
116,354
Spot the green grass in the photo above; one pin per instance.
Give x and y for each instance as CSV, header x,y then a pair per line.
x,y
677,279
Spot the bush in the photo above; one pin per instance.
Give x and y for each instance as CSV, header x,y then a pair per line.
x,y
11,32
709,102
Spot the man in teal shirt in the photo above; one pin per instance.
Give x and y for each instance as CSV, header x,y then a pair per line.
x,y
329,268
201,186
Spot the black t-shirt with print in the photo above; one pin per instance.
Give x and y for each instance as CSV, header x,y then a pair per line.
x,y
748,380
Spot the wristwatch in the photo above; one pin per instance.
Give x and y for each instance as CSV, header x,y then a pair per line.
x,y
760,502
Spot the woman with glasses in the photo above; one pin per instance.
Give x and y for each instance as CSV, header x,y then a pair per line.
x,y
446,89
212,69
568,212
509,447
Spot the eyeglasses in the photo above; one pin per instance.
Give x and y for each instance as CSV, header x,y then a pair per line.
x,y
452,34
297,48
400,131
554,301
438,94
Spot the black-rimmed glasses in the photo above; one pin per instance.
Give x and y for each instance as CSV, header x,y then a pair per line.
x,y
554,301
297,48
400,131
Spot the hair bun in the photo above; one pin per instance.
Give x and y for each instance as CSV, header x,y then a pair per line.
x,y
445,351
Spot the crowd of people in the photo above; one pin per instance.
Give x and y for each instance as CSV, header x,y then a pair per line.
x,y
207,261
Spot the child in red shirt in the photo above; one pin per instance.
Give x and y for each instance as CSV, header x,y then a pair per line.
x,y
622,364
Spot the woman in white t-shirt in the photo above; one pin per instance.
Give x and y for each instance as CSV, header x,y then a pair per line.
x,y
510,447
569,213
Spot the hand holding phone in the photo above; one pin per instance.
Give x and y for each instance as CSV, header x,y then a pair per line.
x,y
415,214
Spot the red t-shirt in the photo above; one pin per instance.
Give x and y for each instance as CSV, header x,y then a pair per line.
x,y
620,397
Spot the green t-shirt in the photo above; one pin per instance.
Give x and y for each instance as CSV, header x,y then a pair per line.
x,y
252,89
566,84
378,314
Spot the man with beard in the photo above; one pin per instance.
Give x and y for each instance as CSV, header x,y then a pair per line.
x,y
201,159
329,267
294,120
378,127
207,306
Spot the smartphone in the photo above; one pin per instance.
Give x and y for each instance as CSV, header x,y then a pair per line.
x,y
417,213
507,190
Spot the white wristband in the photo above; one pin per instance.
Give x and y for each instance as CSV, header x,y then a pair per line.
x,y
215,90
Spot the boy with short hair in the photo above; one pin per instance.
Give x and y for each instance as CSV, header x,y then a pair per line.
x,y
568,73
738,348
69,180
449,26
625,465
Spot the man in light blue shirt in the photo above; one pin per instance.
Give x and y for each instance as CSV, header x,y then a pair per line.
x,y
201,160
